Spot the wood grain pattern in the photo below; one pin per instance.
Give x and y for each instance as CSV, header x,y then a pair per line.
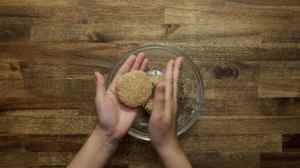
x,y
279,160
206,125
208,143
248,53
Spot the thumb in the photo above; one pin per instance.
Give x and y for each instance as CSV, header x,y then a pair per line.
x,y
159,100
100,88
104,104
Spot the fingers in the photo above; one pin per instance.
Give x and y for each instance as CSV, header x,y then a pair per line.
x,y
100,88
176,71
169,87
126,67
133,62
138,62
159,100
144,64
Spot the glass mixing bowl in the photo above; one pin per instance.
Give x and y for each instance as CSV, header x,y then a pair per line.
x,y
190,87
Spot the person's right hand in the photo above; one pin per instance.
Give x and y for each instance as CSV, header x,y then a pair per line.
x,y
162,124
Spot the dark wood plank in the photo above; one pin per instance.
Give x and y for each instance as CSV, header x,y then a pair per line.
x,y
279,79
208,143
35,159
56,60
226,125
252,107
55,159
232,143
226,160
214,62
280,3
51,125
36,143
108,32
210,160
236,23
11,104
84,12
291,142
51,112
97,22
280,160
235,107
10,69
99,32
252,24
69,21
235,53
245,125
196,4
279,88
14,32
229,11
73,88
281,70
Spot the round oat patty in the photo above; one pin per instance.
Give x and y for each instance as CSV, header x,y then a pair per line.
x,y
134,88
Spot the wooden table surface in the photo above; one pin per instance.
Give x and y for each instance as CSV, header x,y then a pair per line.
x,y
248,52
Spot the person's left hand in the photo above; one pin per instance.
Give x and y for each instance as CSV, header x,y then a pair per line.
x,y
115,118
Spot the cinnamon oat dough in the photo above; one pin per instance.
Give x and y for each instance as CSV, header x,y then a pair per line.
x,y
149,106
155,80
134,88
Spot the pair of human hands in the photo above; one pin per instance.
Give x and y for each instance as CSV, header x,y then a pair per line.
x,y
115,118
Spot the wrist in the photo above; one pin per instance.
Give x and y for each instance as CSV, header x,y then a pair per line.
x,y
170,152
168,147
108,142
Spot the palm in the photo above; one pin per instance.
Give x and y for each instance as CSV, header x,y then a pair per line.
x,y
122,116
113,115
